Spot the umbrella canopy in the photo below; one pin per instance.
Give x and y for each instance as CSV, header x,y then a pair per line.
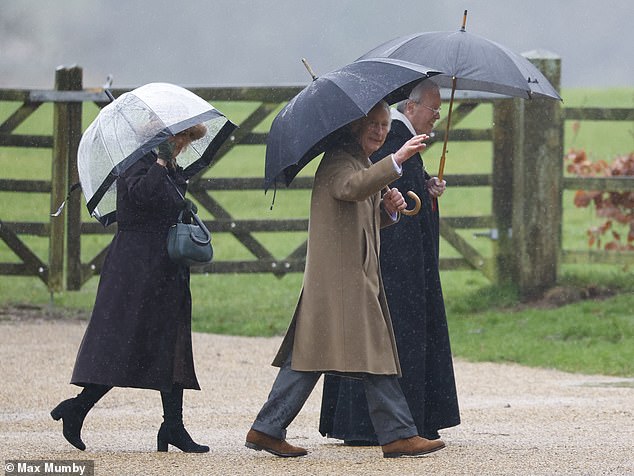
x,y
132,126
468,62
477,64
305,127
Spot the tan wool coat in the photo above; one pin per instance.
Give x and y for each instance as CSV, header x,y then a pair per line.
x,y
342,322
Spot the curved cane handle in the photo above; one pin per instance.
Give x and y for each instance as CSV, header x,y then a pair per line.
x,y
416,208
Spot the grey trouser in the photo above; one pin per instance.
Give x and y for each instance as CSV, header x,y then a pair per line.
x,y
389,412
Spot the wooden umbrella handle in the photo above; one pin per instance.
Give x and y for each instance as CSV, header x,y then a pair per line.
x,y
416,208
414,197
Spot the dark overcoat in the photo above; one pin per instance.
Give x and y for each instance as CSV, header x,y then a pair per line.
x,y
342,322
139,334
409,264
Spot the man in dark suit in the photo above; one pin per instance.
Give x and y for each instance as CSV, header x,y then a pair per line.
x,y
409,266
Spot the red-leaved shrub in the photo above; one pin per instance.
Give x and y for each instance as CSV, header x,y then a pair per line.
x,y
615,207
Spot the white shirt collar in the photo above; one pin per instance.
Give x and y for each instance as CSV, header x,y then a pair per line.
x,y
399,116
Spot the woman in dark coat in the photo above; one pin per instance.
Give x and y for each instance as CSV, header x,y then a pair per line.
x,y
139,334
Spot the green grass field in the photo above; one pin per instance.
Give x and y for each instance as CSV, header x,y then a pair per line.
x,y
485,322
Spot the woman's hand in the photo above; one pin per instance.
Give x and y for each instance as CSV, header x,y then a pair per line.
x,y
411,147
165,152
393,201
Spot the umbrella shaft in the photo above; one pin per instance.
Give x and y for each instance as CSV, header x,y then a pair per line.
x,y
441,168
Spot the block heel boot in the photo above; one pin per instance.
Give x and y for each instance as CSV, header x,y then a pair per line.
x,y
172,431
176,435
73,411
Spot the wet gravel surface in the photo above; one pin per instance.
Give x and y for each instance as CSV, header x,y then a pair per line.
x,y
516,420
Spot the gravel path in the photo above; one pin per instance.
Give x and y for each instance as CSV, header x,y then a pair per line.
x,y
516,420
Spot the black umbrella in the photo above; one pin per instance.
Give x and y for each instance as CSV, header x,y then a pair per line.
x,y
304,128
468,62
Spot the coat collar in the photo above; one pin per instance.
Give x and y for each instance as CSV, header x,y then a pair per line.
x,y
399,116
400,129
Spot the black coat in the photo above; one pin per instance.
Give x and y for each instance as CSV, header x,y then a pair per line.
x,y
139,334
409,265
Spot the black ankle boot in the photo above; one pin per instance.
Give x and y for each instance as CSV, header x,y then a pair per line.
x,y
74,410
73,419
176,435
172,430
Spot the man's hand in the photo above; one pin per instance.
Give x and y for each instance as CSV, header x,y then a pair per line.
x,y
393,201
436,187
411,147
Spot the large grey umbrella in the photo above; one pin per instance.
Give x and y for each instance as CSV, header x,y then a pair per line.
x,y
469,62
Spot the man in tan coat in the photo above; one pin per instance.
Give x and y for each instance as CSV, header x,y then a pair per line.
x,y
342,323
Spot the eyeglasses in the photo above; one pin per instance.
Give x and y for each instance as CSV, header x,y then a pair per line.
x,y
435,111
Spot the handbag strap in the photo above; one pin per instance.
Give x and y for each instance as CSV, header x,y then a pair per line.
x,y
197,220
175,186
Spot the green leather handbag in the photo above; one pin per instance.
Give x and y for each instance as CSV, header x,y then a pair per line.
x,y
189,244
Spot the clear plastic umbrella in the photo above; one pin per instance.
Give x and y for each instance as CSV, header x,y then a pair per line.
x,y
132,126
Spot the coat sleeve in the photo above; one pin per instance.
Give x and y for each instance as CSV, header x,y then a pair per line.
x,y
147,184
407,181
348,183
386,218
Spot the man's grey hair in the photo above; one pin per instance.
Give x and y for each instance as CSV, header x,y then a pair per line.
x,y
353,127
417,93
383,103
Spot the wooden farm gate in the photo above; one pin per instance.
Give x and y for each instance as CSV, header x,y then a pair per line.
x,y
527,147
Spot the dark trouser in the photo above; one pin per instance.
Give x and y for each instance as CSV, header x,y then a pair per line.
x,y
389,412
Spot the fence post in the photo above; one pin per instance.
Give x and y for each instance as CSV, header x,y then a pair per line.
x,y
74,278
66,79
537,184
504,141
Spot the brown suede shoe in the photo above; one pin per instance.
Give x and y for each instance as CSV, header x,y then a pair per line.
x,y
259,441
414,446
